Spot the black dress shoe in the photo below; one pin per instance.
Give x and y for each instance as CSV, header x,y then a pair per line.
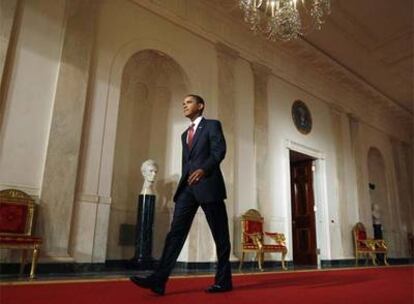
x,y
149,283
218,288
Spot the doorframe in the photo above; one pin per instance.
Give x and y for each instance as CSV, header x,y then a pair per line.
x,y
320,199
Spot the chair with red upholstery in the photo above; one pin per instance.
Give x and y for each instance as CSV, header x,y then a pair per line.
x,y
367,246
253,239
16,221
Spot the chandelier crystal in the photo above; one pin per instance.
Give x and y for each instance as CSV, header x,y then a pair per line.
x,y
284,19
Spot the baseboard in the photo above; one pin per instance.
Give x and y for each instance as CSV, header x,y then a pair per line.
x,y
8,270
337,263
54,268
211,266
363,261
400,261
125,266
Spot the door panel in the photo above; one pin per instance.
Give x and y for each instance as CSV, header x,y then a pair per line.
x,y
303,215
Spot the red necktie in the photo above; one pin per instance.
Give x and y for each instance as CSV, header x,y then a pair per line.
x,y
190,135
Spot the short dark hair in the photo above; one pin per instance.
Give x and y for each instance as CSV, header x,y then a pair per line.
x,y
198,99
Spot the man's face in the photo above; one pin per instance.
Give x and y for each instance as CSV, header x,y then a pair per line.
x,y
191,108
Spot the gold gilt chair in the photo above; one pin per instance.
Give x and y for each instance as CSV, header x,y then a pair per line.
x,y
366,246
16,221
253,239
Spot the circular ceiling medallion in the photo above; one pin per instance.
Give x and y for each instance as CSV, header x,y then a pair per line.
x,y
301,117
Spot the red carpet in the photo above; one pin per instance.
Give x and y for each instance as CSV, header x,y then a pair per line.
x,y
393,285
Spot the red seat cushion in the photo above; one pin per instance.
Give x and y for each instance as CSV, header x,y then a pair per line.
x,y
362,245
272,233
266,247
273,247
364,249
19,240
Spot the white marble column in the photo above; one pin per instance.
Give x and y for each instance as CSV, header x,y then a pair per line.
x,y
344,178
60,172
8,24
364,205
403,217
407,164
226,58
261,128
10,13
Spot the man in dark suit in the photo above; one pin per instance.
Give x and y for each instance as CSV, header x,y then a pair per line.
x,y
201,185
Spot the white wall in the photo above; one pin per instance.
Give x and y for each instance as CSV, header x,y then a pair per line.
x,y
319,142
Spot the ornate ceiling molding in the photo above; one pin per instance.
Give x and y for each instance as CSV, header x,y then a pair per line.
x,y
351,82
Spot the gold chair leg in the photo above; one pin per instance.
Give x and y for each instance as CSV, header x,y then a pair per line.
x,y
356,259
262,259
283,260
385,260
374,259
34,263
259,260
23,261
241,261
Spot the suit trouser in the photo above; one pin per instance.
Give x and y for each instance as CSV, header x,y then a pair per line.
x,y
184,212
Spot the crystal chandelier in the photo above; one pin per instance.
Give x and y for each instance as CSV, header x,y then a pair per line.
x,y
284,19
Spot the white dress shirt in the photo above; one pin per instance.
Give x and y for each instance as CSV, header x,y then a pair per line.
x,y
196,122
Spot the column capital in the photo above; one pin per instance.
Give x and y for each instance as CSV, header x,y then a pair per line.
x,y
260,70
336,108
353,118
223,49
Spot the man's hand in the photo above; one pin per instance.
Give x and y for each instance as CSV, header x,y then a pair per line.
x,y
195,176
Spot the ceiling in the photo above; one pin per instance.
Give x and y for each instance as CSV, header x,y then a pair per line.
x,y
373,39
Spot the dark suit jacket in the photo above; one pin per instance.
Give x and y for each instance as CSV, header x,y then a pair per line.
x,y
207,152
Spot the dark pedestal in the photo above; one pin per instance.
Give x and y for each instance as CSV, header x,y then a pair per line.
x,y
378,236
143,234
377,231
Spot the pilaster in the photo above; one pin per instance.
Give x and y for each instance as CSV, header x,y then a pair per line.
x,y
261,128
62,158
226,60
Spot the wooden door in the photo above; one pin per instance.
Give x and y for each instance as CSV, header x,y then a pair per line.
x,y
303,214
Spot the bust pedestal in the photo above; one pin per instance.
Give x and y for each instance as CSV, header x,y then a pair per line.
x,y
143,234
378,236
377,231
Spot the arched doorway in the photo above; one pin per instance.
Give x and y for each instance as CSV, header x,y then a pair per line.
x,y
148,127
378,193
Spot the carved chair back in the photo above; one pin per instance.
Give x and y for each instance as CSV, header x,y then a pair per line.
x,y
252,223
16,212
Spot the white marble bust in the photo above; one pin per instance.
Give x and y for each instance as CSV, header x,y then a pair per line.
x,y
149,170
376,215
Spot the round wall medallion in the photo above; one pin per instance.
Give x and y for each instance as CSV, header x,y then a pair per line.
x,y
301,117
